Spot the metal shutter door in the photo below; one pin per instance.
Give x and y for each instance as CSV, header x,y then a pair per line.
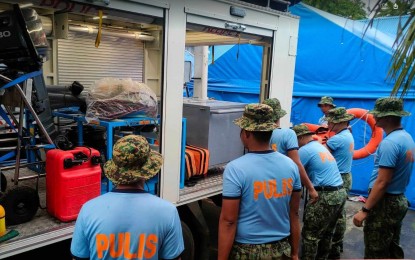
x,y
80,60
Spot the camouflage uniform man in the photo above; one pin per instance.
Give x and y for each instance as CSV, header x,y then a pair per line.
x,y
126,223
320,218
261,196
325,104
285,141
386,206
341,145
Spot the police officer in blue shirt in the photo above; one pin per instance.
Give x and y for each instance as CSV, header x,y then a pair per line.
x,y
386,206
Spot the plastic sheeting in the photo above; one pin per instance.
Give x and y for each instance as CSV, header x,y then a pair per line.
x,y
337,60
112,98
336,56
234,74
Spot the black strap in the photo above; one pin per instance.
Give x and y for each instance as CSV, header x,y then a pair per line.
x,y
328,188
189,165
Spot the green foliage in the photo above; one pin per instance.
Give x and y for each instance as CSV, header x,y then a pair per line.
x,y
402,68
394,8
351,9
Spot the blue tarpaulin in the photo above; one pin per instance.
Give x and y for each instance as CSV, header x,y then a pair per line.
x,y
334,59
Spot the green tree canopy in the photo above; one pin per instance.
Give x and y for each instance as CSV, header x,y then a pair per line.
x,y
352,9
401,70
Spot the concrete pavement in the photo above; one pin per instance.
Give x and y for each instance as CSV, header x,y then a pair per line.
x,y
353,242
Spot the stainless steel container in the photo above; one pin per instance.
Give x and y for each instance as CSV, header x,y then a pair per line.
x,y
210,125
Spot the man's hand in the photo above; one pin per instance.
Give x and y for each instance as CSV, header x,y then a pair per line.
x,y
313,196
358,218
320,139
324,140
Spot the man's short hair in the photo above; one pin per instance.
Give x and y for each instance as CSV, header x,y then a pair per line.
x,y
262,136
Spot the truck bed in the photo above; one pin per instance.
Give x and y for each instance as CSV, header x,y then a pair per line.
x,y
204,188
44,229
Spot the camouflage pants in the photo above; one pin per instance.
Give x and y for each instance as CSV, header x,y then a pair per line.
x,y
319,223
337,242
382,228
347,181
272,251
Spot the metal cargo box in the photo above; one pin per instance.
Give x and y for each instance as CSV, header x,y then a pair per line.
x,y
210,125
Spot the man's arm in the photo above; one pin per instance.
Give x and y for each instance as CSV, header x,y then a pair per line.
x,y
377,192
293,154
295,224
328,148
228,221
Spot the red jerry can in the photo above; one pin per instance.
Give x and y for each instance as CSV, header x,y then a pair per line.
x,y
72,178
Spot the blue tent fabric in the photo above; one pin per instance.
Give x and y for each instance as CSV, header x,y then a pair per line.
x,y
340,62
362,168
235,71
345,60
239,63
334,59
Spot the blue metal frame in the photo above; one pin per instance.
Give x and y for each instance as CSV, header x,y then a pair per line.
x,y
110,125
183,151
30,154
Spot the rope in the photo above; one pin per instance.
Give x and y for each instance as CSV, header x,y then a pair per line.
x,y
98,38
366,115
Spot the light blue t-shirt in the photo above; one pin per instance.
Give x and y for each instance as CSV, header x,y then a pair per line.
x,y
284,140
127,224
396,152
264,183
320,165
342,148
322,121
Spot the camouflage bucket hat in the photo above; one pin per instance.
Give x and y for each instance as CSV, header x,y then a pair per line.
x,y
132,160
257,117
276,106
326,101
302,129
338,115
389,107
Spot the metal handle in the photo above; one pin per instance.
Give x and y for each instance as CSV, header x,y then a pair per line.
x,y
235,26
227,111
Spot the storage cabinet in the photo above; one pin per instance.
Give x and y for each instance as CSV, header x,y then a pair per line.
x,y
210,125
